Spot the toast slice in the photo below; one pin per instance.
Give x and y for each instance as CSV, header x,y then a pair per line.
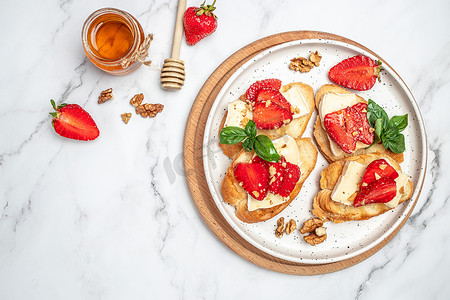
x,y
235,195
295,128
323,140
328,210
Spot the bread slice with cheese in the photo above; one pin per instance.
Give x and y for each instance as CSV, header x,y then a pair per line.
x,y
293,92
235,195
324,142
325,208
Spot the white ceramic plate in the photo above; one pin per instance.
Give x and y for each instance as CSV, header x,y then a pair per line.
x,y
344,240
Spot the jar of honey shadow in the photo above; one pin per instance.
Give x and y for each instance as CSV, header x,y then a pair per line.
x,y
110,37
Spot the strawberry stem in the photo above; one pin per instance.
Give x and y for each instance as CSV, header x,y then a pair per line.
x,y
206,9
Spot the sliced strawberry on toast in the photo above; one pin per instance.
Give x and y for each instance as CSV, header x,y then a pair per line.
x,y
253,90
343,128
254,178
269,95
269,115
291,176
358,72
276,171
376,170
379,191
366,134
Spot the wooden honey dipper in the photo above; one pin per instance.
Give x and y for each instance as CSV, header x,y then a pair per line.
x,y
172,72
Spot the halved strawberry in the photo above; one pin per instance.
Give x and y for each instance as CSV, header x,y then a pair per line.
x,y
73,122
376,170
253,90
358,72
343,127
365,134
254,178
291,176
379,191
268,115
276,171
274,96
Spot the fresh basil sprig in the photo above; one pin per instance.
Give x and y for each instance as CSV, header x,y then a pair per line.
x,y
262,145
387,131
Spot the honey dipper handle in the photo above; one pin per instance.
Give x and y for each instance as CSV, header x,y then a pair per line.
x,y
178,33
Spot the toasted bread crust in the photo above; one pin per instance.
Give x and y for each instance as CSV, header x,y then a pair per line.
x,y
329,210
295,128
235,195
321,135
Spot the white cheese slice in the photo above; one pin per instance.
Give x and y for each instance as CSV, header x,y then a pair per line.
x,y
400,181
348,183
332,102
270,201
286,146
239,113
295,97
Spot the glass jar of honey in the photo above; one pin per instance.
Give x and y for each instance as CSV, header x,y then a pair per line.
x,y
113,40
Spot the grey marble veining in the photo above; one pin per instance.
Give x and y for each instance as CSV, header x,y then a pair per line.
x,y
113,218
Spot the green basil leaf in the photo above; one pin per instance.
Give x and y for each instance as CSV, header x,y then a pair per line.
x,y
395,142
265,149
374,112
378,131
400,122
232,135
248,144
390,132
250,128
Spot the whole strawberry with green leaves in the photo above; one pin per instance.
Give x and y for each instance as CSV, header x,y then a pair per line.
x,y
199,22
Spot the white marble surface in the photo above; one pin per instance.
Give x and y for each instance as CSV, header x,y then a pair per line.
x,y
113,218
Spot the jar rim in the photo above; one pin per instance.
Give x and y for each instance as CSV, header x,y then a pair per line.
x,y
131,21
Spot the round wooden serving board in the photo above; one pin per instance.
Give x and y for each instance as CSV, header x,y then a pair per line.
x,y
193,162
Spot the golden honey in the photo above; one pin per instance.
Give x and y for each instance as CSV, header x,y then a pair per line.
x,y
110,38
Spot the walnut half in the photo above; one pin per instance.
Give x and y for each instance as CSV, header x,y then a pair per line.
x,y
310,225
280,228
313,239
290,226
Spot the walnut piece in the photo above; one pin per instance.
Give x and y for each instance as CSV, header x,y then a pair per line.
x,y
310,225
126,117
137,100
105,96
315,58
149,110
301,64
280,228
290,226
304,65
313,239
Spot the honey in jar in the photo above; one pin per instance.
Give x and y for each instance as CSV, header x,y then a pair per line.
x,y
110,38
